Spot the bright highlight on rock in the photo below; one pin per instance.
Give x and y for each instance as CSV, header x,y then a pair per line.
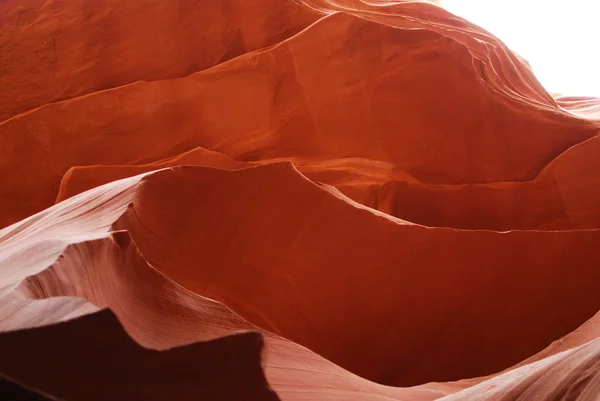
x,y
558,38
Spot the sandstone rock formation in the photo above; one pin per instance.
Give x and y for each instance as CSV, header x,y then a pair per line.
x,y
295,200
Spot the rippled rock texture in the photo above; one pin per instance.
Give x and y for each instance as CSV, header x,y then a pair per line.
x,y
295,200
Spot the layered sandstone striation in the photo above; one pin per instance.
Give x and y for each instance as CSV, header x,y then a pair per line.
x,y
295,200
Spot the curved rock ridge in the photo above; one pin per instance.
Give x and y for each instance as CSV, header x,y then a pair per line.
x,y
585,107
61,49
62,70
296,200
501,69
564,196
571,375
300,102
160,314
284,273
294,260
111,272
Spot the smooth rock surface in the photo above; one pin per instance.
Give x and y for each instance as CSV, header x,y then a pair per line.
x,y
379,194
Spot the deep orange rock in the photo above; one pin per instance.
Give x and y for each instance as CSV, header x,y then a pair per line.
x,y
160,314
276,264
564,196
382,190
301,102
57,50
129,288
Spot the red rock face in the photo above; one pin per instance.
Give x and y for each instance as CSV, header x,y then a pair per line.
x,y
295,200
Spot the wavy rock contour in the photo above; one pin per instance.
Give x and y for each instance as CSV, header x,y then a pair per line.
x,y
379,194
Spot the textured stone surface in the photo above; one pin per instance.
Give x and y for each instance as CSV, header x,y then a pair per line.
x,y
379,194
